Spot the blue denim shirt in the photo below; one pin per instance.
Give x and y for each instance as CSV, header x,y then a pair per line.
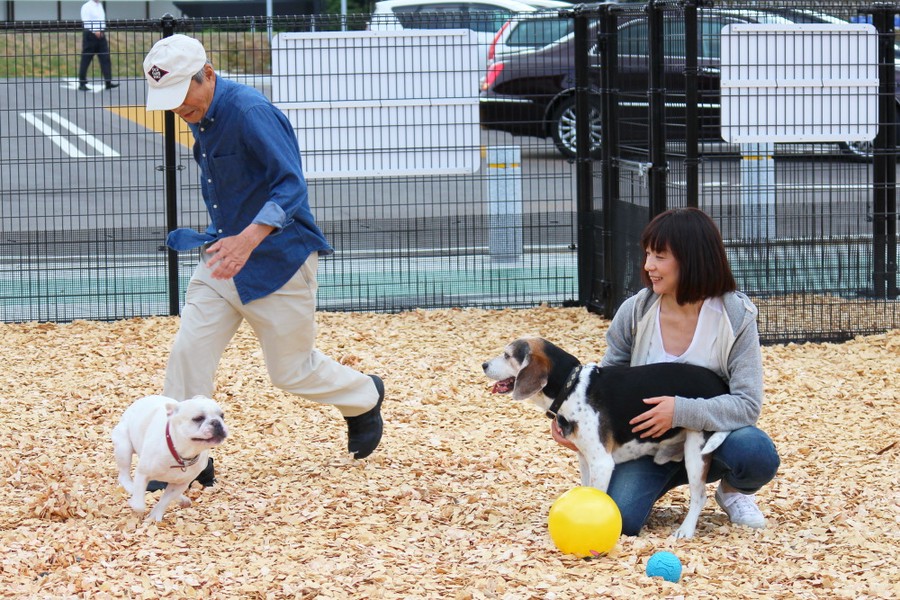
x,y
250,172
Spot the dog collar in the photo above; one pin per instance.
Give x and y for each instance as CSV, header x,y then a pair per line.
x,y
182,463
571,381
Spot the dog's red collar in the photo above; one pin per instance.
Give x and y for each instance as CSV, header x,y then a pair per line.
x,y
182,463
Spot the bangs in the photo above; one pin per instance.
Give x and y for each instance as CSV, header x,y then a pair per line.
x,y
658,236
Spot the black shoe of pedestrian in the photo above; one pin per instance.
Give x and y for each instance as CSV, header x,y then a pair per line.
x,y
206,478
110,85
364,431
83,87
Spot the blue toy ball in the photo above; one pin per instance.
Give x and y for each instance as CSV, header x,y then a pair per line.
x,y
665,565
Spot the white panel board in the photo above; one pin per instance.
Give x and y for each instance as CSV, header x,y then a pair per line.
x,y
799,83
372,103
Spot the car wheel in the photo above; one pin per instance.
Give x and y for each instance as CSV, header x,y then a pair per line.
x,y
562,128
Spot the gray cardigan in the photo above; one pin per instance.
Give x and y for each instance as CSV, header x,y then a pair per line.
x,y
740,363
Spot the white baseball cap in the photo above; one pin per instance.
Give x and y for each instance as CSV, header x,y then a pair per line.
x,y
169,67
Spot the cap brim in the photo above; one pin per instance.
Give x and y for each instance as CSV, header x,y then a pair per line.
x,y
169,97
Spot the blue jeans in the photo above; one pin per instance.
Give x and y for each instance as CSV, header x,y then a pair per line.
x,y
746,460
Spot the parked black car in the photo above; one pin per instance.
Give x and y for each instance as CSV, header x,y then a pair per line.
x,y
532,93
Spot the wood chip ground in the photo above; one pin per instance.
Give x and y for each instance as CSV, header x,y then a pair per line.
x,y
452,505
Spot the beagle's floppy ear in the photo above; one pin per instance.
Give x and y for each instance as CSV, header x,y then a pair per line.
x,y
532,376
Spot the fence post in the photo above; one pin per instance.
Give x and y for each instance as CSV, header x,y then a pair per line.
x,y
609,165
657,96
884,169
169,167
758,192
691,98
584,173
504,177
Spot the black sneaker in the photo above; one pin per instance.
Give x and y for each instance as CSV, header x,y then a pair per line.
x,y
83,87
364,431
206,478
110,85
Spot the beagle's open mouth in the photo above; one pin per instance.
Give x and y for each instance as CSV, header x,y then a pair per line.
x,y
504,387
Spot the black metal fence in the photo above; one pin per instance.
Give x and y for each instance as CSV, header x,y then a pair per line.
x,y
810,224
433,191
398,169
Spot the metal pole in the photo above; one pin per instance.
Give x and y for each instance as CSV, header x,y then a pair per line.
x,y
609,104
884,169
657,97
169,168
691,97
583,163
504,178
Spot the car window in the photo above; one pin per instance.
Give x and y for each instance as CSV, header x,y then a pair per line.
x,y
711,38
536,33
433,16
673,38
484,18
634,38
487,18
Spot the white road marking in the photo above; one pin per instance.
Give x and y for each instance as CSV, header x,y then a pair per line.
x,y
39,121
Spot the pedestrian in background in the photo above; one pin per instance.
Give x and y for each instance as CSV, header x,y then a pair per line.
x,y
94,44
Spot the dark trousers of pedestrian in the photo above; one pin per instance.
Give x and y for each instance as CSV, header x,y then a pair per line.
x,y
92,46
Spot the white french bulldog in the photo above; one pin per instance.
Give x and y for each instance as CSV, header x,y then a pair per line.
x,y
172,440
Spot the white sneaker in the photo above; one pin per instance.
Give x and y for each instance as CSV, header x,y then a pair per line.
x,y
740,508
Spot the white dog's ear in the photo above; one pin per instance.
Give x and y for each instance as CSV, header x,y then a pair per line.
x,y
171,408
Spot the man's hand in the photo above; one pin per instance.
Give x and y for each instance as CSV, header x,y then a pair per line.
x,y
656,421
230,254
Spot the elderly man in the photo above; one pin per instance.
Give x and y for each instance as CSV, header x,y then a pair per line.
x,y
260,253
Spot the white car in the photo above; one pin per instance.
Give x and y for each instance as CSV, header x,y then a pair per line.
x,y
484,17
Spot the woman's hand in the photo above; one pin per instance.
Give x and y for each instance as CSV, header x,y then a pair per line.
x,y
558,436
656,421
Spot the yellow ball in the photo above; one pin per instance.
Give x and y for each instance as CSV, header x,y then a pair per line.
x,y
585,522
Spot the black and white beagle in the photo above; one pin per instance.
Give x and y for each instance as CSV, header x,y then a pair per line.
x,y
593,407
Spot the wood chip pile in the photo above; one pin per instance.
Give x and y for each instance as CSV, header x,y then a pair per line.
x,y
454,503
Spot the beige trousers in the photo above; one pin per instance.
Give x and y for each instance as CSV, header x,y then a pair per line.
x,y
285,325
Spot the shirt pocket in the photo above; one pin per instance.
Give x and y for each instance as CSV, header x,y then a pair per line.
x,y
229,172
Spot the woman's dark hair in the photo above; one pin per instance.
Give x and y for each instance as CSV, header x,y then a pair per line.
x,y
695,242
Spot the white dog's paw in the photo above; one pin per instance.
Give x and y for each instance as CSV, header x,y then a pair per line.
x,y
127,484
155,515
137,504
684,532
184,501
